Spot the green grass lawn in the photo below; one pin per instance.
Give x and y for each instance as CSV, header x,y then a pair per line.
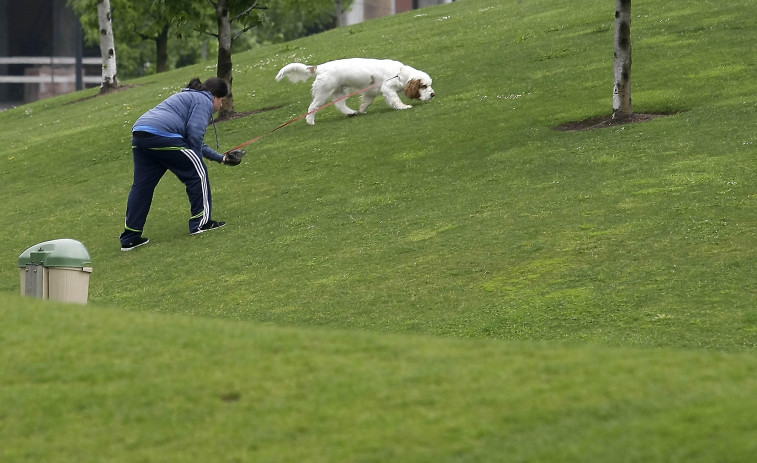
x,y
106,385
455,282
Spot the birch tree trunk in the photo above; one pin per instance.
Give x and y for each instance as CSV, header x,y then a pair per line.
x,y
107,47
621,95
224,55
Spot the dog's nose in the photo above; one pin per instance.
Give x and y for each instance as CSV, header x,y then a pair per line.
x,y
433,94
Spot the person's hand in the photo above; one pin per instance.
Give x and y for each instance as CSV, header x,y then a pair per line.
x,y
233,157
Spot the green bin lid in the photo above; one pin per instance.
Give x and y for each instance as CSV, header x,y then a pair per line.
x,y
56,253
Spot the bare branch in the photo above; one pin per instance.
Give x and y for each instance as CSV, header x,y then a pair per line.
x,y
205,32
248,10
242,32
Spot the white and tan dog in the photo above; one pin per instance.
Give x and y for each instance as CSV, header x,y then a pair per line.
x,y
336,79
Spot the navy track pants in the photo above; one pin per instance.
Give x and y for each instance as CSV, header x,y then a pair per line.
x,y
153,156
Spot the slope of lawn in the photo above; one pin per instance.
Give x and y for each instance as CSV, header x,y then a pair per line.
x,y
83,384
454,282
466,216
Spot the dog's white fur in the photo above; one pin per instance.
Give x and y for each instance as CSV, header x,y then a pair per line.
x,y
336,79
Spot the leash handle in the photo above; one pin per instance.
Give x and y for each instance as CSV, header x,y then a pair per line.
x,y
307,114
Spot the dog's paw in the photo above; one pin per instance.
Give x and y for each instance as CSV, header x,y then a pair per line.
x,y
404,106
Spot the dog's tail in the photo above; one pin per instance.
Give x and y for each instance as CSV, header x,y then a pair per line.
x,y
297,72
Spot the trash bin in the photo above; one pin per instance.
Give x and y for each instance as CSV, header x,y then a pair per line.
x,y
58,270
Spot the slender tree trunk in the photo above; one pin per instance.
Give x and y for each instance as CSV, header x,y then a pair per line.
x,y
621,95
339,13
161,48
224,55
107,47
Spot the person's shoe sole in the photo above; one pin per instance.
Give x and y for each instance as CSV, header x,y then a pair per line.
x,y
129,248
208,229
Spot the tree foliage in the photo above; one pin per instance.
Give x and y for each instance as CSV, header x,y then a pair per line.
x,y
157,35
286,20
150,35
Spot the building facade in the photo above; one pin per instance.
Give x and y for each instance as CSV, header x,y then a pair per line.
x,y
364,10
39,43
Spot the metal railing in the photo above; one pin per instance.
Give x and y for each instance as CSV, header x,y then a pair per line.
x,y
52,77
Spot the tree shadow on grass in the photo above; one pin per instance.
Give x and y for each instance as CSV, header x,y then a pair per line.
x,y
120,88
229,117
241,114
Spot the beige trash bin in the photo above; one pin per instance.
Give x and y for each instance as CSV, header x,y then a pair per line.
x,y
58,270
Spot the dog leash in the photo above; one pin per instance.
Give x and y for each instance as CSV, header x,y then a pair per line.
x,y
311,112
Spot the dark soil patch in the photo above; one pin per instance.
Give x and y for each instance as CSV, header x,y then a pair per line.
x,y
607,121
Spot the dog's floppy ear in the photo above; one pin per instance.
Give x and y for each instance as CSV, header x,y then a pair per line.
x,y
413,89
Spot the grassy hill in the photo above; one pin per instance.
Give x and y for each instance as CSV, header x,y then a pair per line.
x,y
455,282
96,384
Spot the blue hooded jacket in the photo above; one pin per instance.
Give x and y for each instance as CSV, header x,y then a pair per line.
x,y
184,115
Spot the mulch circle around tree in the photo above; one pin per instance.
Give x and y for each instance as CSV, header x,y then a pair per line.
x,y
607,121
